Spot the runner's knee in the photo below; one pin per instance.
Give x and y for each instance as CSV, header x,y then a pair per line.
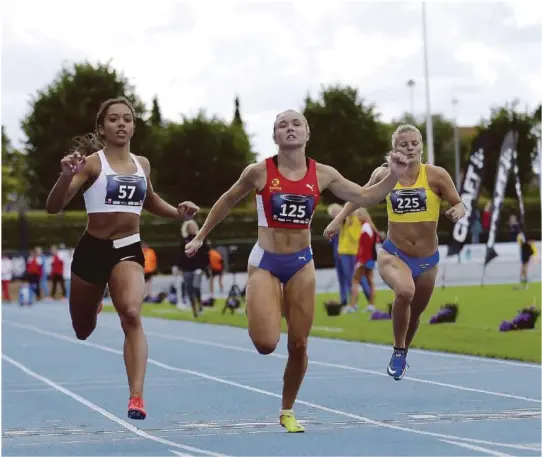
x,y
82,332
297,347
129,318
265,346
404,293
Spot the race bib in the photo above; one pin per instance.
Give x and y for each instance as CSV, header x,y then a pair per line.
x,y
125,190
408,200
291,208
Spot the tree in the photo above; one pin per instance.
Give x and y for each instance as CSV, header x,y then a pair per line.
x,y
502,120
204,158
345,133
15,172
156,115
237,114
67,108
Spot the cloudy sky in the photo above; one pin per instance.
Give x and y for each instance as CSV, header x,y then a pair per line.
x,y
198,55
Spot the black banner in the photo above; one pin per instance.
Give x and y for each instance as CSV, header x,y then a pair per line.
x,y
469,193
506,161
519,194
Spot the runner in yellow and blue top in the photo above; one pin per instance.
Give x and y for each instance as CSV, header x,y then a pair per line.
x,y
408,259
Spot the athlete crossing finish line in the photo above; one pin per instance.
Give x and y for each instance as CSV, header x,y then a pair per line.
x,y
281,273
408,259
116,187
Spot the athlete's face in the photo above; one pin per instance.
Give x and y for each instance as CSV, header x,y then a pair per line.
x,y
291,130
118,125
410,144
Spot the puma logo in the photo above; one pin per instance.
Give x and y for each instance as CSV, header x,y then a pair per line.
x,y
310,186
302,258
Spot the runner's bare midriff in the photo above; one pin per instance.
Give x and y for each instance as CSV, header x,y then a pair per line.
x,y
112,226
283,241
416,239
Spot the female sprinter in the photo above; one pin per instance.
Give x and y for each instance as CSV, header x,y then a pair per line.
x,y
116,186
408,259
288,188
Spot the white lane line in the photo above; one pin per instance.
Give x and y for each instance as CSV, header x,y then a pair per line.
x,y
266,392
426,352
477,448
104,412
331,341
340,366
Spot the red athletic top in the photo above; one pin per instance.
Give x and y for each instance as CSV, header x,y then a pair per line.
x,y
367,244
287,204
57,265
33,266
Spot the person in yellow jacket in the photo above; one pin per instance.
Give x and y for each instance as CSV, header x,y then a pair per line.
x,y
333,210
216,264
527,251
150,269
347,250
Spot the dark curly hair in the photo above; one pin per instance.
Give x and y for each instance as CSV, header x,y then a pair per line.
x,y
92,142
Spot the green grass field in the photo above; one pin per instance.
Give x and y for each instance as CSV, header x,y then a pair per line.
x,y
476,331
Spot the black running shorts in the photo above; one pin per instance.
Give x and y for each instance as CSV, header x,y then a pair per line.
x,y
94,258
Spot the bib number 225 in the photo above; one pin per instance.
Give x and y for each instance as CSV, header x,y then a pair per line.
x,y
408,202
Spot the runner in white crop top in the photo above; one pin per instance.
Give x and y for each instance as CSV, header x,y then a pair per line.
x,y
116,192
116,188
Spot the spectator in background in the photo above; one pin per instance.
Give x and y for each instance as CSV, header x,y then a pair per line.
x,y
216,262
528,251
45,272
192,268
150,268
476,225
19,267
66,254
513,225
486,217
349,236
26,293
365,261
333,210
7,276
34,271
57,273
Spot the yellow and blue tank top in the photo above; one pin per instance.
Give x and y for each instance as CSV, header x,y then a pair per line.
x,y
349,236
416,203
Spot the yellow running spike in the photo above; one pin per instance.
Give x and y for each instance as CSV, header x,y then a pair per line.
x,y
289,422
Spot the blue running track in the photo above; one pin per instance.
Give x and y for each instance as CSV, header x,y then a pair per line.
x,y
209,393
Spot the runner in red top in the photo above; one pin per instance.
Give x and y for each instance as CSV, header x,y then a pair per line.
x,y
283,203
280,267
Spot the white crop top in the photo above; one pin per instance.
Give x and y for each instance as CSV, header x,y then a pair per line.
x,y
116,193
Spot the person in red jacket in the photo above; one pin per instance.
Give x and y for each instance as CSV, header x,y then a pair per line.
x,y
57,272
34,269
365,260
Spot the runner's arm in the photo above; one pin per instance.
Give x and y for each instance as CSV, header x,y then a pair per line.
x,y
245,183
